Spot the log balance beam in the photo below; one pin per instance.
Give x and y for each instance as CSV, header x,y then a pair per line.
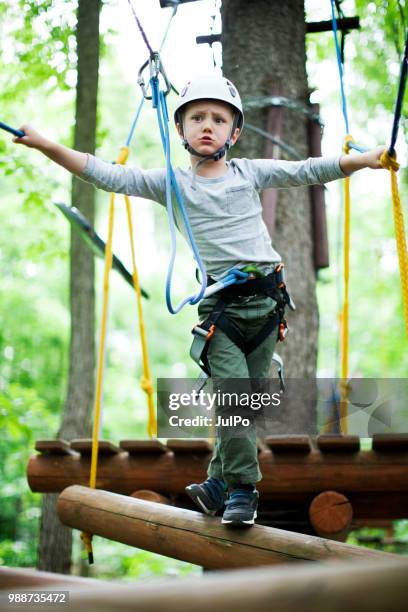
x,y
306,587
195,538
296,469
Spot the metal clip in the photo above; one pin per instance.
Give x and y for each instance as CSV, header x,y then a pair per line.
x,y
155,69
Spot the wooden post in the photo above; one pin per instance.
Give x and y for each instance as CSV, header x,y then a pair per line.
x,y
331,514
319,223
193,537
272,151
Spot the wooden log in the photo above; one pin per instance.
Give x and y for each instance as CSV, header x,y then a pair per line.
x,y
288,443
304,588
138,447
151,496
390,442
54,447
193,537
337,442
84,446
19,578
374,482
178,445
331,514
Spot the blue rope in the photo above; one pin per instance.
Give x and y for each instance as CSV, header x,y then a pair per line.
x,y
7,128
400,98
135,120
159,102
352,145
340,66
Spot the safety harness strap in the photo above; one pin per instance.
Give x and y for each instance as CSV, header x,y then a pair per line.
x,y
272,285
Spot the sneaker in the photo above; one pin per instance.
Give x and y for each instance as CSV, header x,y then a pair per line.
x,y
209,495
241,508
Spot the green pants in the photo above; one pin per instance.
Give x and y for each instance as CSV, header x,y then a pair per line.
x,y
235,459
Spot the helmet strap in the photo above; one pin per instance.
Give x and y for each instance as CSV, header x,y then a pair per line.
x,y
219,153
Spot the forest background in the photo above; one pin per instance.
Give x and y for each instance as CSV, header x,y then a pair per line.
x,y
37,86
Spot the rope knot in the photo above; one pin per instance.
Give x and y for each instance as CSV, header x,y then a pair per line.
x,y
346,145
146,385
123,155
389,162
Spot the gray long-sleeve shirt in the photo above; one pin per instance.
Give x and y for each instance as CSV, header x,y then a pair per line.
x,y
225,213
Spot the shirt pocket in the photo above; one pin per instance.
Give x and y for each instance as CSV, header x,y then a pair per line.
x,y
240,199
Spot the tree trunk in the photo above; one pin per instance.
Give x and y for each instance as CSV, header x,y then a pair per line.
x,y
55,539
264,53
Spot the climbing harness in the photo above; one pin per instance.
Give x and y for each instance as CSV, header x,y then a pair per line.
x,y
272,285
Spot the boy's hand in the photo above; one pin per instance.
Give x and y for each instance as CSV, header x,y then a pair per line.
x,y
358,161
372,157
31,139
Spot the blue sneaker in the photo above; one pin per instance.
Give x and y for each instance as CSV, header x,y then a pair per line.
x,y
241,508
209,495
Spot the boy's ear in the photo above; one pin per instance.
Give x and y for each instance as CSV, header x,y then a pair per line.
x,y
235,135
179,130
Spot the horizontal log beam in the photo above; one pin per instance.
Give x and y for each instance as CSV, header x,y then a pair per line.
x,y
284,473
306,587
312,27
19,578
192,537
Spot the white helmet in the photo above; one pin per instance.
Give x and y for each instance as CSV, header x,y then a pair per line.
x,y
211,87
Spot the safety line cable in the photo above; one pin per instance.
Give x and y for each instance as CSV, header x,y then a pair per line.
x,y
351,143
141,103
400,98
340,67
139,25
159,102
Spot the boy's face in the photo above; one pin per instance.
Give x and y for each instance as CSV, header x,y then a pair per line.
x,y
207,125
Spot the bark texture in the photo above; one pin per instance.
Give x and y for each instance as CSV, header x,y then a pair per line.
x,y
264,54
55,539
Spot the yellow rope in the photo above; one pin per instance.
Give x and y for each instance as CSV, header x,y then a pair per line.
x,y
146,380
87,537
344,317
390,163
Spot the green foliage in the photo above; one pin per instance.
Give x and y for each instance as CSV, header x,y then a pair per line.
x,y
37,78
113,560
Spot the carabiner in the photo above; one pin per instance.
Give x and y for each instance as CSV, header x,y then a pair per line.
x,y
155,68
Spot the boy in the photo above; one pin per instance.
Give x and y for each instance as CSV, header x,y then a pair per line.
x,y
225,215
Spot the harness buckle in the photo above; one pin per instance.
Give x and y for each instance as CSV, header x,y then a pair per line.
x,y
280,275
207,334
283,330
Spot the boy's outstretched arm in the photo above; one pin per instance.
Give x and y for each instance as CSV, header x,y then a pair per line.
x,y
73,161
357,161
